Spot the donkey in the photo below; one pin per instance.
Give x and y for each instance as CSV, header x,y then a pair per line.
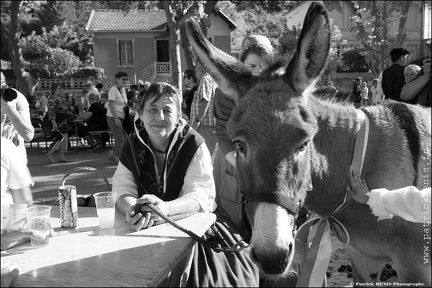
x,y
288,141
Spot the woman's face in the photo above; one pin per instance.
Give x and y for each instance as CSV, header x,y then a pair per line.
x,y
59,91
70,101
254,63
409,75
160,118
121,82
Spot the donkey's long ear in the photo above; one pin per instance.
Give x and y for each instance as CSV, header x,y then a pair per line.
x,y
312,51
232,76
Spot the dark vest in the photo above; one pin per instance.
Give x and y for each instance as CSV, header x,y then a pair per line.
x,y
140,161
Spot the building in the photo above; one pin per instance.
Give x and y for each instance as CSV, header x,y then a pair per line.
x,y
138,42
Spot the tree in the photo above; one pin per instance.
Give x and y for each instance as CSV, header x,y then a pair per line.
x,y
10,29
49,54
373,22
177,12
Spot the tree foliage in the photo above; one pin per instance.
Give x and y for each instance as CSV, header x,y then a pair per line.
x,y
373,23
354,60
50,54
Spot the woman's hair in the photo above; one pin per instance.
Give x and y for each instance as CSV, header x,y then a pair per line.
x,y
54,87
157,90
120,74
412,67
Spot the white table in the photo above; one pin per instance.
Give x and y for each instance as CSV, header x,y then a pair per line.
x,y
87,256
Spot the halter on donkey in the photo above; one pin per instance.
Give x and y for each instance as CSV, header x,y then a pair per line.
x,y
287,139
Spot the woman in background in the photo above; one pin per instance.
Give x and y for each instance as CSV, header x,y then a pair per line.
x,y
58,115
115,115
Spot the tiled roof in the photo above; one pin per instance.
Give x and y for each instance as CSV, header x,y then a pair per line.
x,y
104,20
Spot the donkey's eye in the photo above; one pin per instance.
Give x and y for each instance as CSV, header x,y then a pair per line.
x,y
240,146
303,147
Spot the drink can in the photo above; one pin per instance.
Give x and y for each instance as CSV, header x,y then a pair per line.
x,y
68,206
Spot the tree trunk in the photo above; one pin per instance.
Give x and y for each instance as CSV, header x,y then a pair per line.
x,y
174,46
24,79
401,36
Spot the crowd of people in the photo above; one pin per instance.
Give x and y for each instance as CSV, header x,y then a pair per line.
x,y
399,82
179,138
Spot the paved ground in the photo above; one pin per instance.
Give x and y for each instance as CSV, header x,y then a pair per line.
x,y
48,176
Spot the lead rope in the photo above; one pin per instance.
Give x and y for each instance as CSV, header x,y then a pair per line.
x,y
213,242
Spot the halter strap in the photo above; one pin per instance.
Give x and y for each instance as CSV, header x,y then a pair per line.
x,y
278,199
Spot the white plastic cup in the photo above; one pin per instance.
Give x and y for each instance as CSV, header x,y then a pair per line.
x,y
105,205
39,218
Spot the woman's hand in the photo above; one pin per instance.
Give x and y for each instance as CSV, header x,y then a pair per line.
x,y
146,218
136,220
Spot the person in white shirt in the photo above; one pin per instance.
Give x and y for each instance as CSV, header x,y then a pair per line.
x,y
89,89
407,202
15,181
376,97
364,94
115,115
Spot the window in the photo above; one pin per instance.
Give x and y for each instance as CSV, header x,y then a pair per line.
x,y
413,17
347,22
125,52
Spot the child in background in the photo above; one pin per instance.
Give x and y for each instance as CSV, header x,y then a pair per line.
x,y
104,100
405,202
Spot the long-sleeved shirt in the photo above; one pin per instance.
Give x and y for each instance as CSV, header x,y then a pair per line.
x,y
408,202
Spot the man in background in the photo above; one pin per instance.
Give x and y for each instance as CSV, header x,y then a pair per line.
x,y
393,78
89,89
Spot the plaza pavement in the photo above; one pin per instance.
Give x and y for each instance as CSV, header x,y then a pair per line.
x,y
48,176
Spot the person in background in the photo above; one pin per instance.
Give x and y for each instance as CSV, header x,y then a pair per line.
x,y
393,77
376,97
410,72
104,100
88,89
44,101
179,184
356,92
15,181
191,83
115,115
95,119
407,202
73,109
364,95
201,117
58,114
99,87
16,123
15,117
14,189
418,90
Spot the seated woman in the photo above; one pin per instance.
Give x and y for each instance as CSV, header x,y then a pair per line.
x,y
166,163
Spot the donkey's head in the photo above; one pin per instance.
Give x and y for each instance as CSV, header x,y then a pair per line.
x,y
272,128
